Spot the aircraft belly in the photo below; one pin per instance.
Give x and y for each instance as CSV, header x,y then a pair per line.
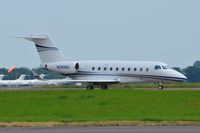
x,y
122,79
82,77
158,80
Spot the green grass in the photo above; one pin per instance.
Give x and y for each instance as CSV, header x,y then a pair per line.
x,y
136,86
98,105
153,85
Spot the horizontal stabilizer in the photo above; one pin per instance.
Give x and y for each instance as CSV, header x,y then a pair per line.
x,y
40,36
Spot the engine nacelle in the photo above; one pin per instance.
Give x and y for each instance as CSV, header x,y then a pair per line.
x,y
68,67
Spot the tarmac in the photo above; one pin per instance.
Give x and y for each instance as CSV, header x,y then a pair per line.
x,y
118,129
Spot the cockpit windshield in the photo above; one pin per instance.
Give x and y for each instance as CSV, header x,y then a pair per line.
x,y
157,67
165,67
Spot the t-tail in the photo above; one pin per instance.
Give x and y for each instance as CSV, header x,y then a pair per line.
x,y
46,49
22,77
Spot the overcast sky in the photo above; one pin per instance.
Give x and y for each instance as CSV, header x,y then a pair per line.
x,y
151,30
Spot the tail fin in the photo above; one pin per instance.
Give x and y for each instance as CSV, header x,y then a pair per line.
x,y
22,77
2,76
45,47
39,77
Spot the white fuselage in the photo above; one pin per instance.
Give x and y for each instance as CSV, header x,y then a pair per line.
x,y
123,71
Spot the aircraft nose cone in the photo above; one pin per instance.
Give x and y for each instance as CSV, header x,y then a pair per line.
x,y
185,77
181,76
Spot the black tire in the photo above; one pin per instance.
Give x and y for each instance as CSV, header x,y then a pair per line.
x,y
104,87
90,87
160,87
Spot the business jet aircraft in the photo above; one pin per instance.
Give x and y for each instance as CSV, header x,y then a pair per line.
x,y
32,82
22,77
10,83
101,73
39,81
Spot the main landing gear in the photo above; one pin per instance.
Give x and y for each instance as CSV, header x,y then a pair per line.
x,y
90,87
103,87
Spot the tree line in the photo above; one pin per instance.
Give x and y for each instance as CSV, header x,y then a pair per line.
x,y
28,72
191,72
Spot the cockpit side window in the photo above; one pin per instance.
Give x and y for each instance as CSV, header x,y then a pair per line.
x,y
157,67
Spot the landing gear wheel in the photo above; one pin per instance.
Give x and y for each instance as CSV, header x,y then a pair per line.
x,y
160,87
104,87
90,87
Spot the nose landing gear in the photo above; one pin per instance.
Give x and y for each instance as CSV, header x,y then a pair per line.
x,y
160,86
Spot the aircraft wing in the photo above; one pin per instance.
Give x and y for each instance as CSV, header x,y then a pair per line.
x,y
114,81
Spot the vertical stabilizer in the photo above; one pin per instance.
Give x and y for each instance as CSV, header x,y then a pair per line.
x,y
45,47
22,77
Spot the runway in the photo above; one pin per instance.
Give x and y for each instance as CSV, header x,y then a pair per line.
x,y
120,129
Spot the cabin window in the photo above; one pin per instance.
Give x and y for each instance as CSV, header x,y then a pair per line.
x,y
147,69
105,68
111,69
123,69
141,69
99,68
129,69
157,67
135,69
117,69
93,68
